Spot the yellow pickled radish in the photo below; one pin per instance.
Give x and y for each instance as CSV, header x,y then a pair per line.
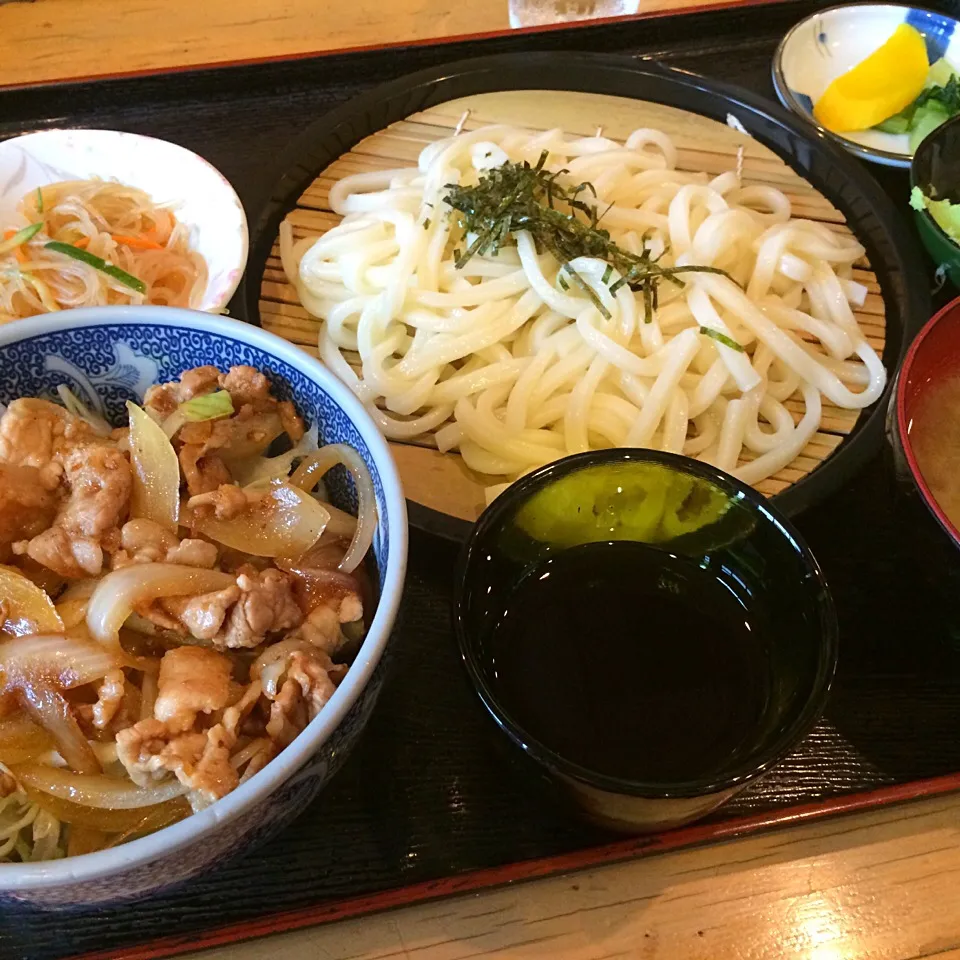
x,y
878,87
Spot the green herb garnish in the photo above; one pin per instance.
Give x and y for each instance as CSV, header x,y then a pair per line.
x,y
518,196
934,105
21,237
39,200
722,338
426,224
208,406
98,263
607,274
948,95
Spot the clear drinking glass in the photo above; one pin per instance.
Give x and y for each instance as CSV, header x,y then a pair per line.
x,y
535,13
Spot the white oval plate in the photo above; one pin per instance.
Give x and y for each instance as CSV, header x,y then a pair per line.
x,y
817,50
202,197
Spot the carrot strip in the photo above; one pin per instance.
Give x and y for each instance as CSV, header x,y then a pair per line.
x,y
18,253
83,243
139,242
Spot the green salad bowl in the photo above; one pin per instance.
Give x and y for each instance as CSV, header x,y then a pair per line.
x,y
936,172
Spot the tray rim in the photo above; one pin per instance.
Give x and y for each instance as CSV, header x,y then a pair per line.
x,y
818,811
893,261
521,871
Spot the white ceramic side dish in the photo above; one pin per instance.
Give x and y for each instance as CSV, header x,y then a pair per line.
x,y
203,198
817,50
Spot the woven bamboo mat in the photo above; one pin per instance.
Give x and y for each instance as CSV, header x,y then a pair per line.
x,y
441,481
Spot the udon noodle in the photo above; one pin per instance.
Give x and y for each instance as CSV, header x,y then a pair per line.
x,y
92,243
502,357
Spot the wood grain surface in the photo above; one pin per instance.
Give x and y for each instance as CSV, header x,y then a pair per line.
x,y
46,40
442,482
877,886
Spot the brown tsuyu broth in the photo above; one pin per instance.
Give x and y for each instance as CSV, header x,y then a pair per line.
x,y
935,438
633,663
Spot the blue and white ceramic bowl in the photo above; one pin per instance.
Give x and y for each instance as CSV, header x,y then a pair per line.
x,y
826,44
112,354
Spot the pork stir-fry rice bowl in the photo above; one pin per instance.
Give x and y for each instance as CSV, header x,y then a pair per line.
x,y
200,564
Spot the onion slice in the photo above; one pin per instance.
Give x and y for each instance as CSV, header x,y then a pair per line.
x,y
316,586
72,603
28,608
279,651
120,591
342,524
48,707
92,790
284,522
270,666
79,409
109,820
81,839
258,469
312,468
22,739
153,819
156,471
59,660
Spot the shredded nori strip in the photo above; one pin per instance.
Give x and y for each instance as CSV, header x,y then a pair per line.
x,y
518,196
722,338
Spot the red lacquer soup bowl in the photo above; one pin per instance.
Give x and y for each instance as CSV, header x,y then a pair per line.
x,y
933,356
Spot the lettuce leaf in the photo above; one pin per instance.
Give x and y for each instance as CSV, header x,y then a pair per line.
x,y
945,213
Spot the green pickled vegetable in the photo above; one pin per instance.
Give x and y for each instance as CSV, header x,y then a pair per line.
x,y
98,263
926,119
209,406
940,73
938,101
947,94
898,123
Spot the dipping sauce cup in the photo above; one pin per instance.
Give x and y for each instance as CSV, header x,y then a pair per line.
x,y
646,630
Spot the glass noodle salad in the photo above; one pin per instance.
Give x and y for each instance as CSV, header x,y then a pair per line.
x,y
88,243
178,600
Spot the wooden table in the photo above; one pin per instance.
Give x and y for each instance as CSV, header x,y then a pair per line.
x,y
47,40
880,885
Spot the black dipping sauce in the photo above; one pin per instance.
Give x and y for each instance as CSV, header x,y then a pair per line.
x,y
633,664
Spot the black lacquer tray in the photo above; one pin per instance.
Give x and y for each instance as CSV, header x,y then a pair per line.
x,y
427,805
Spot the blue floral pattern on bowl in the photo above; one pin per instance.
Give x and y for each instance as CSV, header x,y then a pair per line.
x,y
111,355
828,43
